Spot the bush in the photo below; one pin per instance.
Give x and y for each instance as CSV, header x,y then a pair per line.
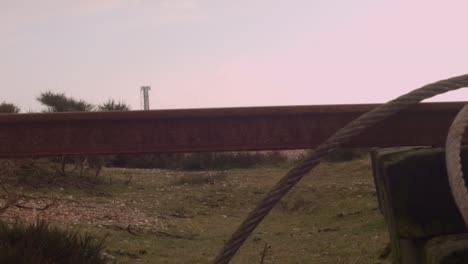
x,y
147,161
7,108
229,160
41,244
59,102
199,161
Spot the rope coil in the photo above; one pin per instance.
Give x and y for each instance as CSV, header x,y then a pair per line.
x,y
453,161
341,137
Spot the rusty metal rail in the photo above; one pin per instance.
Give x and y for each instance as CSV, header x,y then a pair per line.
x,y
224,129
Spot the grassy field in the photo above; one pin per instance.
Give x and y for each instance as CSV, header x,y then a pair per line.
x,y
163,216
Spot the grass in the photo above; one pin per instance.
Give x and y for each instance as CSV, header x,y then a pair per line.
x,y
201,179
330,217
39,243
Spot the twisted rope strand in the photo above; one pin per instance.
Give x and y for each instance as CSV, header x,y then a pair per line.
x,y
453,161
334,142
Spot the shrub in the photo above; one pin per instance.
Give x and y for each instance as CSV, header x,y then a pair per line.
x,y
41,244
112,105
199,161
7,108
230,160
59,102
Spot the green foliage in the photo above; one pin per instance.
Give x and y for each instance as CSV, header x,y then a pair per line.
x,y
7,108
41,244
229,160
111,105
199,161
59,102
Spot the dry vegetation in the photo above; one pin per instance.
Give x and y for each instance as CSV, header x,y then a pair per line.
x,y
170,216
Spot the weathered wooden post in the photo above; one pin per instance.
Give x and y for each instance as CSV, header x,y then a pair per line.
x,y
414,196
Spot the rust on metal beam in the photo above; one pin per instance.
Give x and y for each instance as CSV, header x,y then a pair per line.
x,y
223,129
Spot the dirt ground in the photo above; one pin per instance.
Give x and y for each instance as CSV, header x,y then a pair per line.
x,y
163,216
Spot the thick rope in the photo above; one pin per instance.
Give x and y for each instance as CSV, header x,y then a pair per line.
x,y
454,167
341,137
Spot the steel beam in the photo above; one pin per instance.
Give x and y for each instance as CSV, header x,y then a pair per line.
x,y
224,129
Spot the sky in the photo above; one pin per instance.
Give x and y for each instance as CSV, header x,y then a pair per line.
x,y
219,53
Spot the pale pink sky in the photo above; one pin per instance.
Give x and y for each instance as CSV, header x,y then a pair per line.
x,y
214,53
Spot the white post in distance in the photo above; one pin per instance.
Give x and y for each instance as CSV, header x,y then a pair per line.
x,y
145,93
